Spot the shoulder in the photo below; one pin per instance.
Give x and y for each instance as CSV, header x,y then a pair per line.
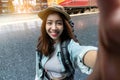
x,y
76,48
73,43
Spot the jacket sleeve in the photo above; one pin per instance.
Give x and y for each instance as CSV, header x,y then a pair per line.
x,y
39,71
77,54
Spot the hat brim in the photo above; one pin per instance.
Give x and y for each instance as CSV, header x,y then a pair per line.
x,y
42,13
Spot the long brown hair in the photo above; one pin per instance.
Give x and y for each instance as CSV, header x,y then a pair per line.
x,y
45,43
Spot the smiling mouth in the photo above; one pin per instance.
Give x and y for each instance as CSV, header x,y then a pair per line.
x,y
54,34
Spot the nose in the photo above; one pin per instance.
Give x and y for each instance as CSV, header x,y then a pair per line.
x,y
54,26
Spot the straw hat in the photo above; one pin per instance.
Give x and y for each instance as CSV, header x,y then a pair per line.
x,y
59,9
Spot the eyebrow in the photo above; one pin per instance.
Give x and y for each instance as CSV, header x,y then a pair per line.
x,y
52,20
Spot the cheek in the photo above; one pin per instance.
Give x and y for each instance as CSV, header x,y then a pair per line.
x,y
61,29
47,27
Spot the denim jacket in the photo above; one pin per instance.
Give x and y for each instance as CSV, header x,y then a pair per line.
x,y
76,52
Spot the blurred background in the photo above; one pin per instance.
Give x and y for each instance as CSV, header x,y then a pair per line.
x,y
33,6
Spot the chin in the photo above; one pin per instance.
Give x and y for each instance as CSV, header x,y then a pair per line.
x,y
55,39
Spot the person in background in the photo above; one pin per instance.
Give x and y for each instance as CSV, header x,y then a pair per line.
x,y
55,30
107,66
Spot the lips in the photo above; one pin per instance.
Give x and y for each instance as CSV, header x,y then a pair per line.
x,y
54,34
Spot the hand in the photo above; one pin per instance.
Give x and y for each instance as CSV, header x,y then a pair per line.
x,y
107,66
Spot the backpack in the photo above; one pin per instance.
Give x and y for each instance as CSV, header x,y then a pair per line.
x,y
65,59
72,26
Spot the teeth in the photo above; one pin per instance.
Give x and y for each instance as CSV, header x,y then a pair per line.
x,y
55,32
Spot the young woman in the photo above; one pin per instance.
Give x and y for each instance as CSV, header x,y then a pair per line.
x,y
55,30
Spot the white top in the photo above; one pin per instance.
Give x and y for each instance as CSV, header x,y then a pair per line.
x,y
53,70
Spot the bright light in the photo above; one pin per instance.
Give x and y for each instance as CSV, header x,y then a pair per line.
x,y
24,6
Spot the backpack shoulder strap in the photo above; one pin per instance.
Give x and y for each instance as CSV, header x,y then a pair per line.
x,y
66,58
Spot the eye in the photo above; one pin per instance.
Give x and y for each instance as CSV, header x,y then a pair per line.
x,y
60,23
49,23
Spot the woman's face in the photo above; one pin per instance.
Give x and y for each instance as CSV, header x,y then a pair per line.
x,y
54,26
